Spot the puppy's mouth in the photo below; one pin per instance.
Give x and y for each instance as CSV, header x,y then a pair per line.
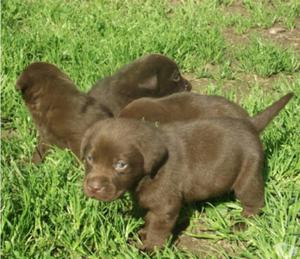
x,y
104,193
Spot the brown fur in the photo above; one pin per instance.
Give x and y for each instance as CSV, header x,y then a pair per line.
x,y
60,111
154,75
173,164
190,106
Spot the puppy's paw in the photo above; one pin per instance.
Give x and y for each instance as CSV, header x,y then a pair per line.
x,y
36,158
151,245
142,233
239,226
146,247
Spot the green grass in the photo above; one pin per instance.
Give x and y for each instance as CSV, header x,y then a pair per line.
x,y
44,213
262,14
265,58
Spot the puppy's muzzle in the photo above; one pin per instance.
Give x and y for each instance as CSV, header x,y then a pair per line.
x,y
100,188
187,85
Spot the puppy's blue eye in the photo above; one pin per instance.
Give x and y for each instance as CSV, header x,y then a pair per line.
x,y
120,166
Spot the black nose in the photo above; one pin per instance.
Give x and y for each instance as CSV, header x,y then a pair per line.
x,y
187,85
94,184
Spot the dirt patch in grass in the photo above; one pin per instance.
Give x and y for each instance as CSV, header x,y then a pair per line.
x,y
241,85
9,134
278,33
243,82
281,35
232,37
236,8
204,241
205,246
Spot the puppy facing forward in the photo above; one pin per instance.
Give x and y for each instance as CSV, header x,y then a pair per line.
x,y
154,75
60,111
172,164
190,106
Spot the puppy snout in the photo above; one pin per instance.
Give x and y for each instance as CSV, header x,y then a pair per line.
x,y
187,85
100,188
95,184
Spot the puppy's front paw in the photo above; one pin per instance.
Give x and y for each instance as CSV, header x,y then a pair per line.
x,y
239,226
36,158
142,233
147,247
150,245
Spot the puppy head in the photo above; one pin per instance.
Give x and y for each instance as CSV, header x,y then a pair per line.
x,y
164,75
35,80
117,154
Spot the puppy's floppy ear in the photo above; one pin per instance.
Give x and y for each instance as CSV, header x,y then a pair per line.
x,y
149,82
85,142
155,156
23,82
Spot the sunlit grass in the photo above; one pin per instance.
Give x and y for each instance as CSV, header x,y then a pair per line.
x,y
44,213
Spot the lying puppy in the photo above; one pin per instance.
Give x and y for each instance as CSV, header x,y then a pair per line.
x,y
173,164
188,106
153,75
60,111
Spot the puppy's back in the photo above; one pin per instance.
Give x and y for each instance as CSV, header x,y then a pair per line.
x,y
182,107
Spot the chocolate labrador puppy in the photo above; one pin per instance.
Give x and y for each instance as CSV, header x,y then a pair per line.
x,y
174,163
60,112
154,75
188,106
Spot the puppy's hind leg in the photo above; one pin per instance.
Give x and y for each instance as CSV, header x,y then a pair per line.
x,y
249,186
45,141
40,152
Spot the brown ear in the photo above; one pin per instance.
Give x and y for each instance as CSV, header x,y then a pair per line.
x,y
23,82
85,142
155,156
149,82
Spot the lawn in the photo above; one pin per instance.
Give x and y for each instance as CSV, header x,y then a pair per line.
x,y
245,50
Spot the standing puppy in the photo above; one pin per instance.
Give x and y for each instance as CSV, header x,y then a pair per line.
x,y
60,111
154,75
173,164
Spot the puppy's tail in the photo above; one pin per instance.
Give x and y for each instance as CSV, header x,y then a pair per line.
x,y
263,118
